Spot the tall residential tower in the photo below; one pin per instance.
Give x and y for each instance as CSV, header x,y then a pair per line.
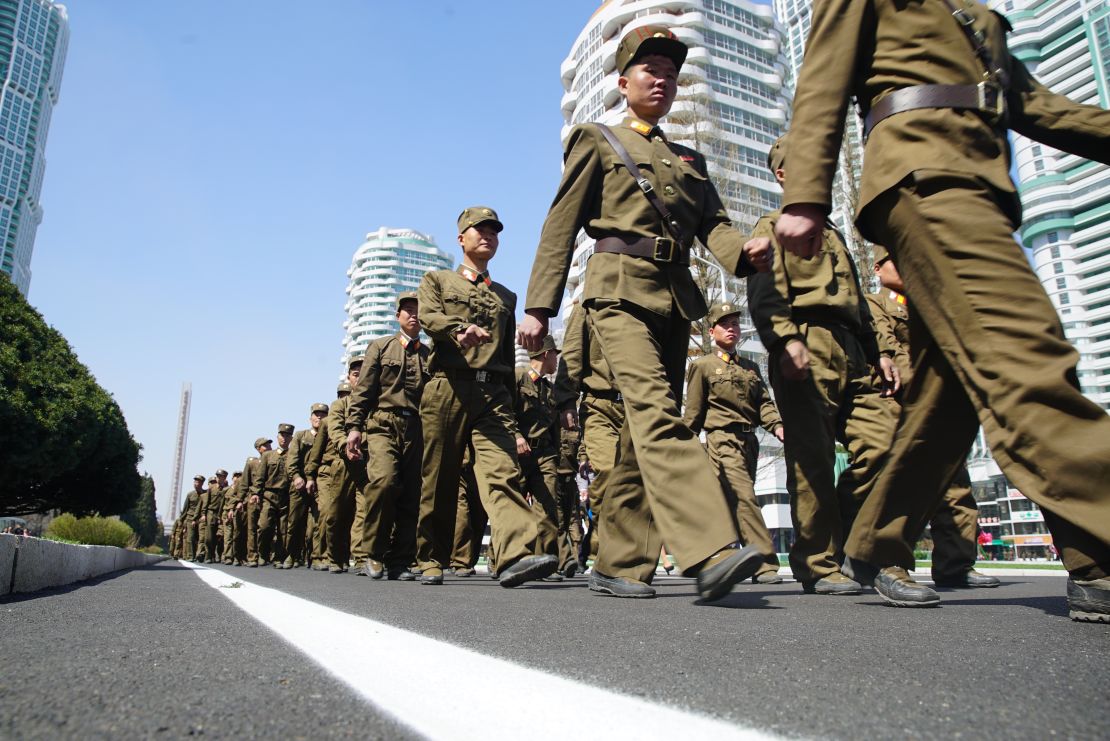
x,y
34,35
388,263
1066,198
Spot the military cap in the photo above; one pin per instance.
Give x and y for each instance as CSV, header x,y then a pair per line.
x,y
356,360
548,344
881,255
221,472
198,477
646,40
343,388
286,428
236,474
213,480
476,215
719,311
776,156
319,408
407,296
262,441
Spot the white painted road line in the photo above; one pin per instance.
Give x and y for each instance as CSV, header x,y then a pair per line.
x,y
388,667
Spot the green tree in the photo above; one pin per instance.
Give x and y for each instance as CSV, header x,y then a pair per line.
x,y
143,517
65,444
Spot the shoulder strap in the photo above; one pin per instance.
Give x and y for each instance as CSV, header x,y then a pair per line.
x,y
978,38
645,185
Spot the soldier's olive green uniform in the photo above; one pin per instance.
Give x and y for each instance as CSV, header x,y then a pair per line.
x,y
536,420
955,524
987,346
337,480
569,524
251,509
468,400
212,505
234,521
470,520
385,406
820,302
303,510
600,412
177,538
190,513
272,488
726,397
662,487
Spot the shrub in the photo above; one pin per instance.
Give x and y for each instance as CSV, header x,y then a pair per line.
x,y
91,531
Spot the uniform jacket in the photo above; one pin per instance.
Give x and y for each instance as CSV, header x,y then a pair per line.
x,y
272,481
598,194
393,377
867,48
892,329
191,511
535,408
299,448
725,391
799,291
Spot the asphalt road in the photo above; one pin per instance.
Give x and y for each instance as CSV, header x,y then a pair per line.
x,y
157,653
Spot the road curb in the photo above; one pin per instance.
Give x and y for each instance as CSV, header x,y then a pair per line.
x,y
31,564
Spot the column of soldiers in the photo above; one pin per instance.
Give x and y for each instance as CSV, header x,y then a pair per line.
x,y
428,447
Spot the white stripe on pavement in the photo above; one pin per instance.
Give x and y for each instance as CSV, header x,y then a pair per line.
x,y
388,666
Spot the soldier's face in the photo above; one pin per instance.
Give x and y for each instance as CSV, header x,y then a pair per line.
x,y
221,480
408,317
889,277
550,362
198,485
264,447
649,86
726,332
480,242
316,419
283,439
353,373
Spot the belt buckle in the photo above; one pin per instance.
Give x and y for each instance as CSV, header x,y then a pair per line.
x,y
481,376
620,396
990,99
658,254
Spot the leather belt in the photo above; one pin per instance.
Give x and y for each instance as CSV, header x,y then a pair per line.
x,y
741,427
399,411
657,249
608,395
987,98
469,374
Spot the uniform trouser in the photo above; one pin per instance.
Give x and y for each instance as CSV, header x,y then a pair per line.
x,y
319,532
735,456
231,534
566,500
192,540
296,524
838,400
252,510
273,507
955,527
312,520
662,486
456,412
470,524
211,536
395,444
601,421
987,348
539,479
337,482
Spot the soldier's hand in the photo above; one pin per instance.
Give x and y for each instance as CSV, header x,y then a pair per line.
x,y
239,506
298,483
569,418
311,486
253,499
472,336
532,330
780,434
889,377
522,447
795,361
800,227
354,445
760,253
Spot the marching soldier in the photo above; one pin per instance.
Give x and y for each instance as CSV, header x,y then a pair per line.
x,y
386,403
211,495
468,400
190,515
271,488
726,397
234,519
829,380
939,88
252,505
955,525
537,447
640,299
302,503
569,524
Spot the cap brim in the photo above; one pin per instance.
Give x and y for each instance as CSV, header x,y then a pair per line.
x,y
673,49
495,222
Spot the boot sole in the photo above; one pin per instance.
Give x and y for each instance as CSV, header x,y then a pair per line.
x,y
908,603
1082,616
728,574
611,593
537,570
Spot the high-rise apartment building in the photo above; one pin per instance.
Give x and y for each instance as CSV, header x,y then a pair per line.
x,y
731,102
34,35
795,17
388,263
1066,198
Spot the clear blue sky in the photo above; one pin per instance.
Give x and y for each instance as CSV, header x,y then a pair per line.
x,y
213,165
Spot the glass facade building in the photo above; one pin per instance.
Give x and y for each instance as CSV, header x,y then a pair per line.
x,y
34,36
1066,198
388,263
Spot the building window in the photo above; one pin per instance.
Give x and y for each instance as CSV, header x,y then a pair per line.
x,y
1058,268
1055,252
1061,283
1065,299
1053,237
